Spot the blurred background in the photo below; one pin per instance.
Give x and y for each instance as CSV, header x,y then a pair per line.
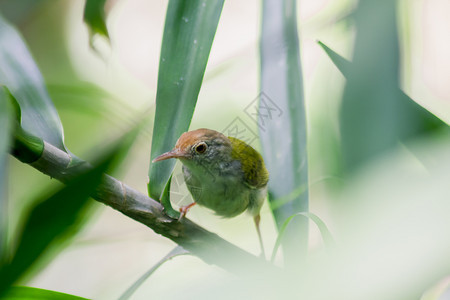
x,y
100,90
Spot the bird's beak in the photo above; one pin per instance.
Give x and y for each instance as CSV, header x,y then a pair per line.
x,y
175,153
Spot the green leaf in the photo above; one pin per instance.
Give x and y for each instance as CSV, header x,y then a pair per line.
x,y
188,35
27,148
19,73
165,201
94,16
56,217
49,220
343,65
426,122
30,293
282,122
177,251
375,113
326,235
5,141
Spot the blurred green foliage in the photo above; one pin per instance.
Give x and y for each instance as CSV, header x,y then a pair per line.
x,y
51,218
56,218
282,123
29,293
20,74
94,16
375,115
396,211
5,138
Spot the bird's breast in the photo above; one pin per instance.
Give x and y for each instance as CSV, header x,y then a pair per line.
x,y
225,194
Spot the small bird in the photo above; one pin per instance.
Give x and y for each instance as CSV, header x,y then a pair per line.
x,y
222,173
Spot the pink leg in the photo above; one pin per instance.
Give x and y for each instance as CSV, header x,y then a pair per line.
x,y
257,219
185,209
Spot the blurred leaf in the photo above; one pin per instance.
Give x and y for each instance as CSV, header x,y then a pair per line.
x,y
188,36
392,219
340,62
425,121
278,202
57,217
439,291
94,16
5,141
20,11
19,73
82,97
49,220
282,121
326,235
90,100
375,113
177,251
30,293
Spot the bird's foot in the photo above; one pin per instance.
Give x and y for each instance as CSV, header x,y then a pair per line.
x,y
185,209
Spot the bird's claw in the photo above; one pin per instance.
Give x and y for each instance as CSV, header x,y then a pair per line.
x,y
184,210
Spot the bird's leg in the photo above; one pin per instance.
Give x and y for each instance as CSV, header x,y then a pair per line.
x,y
185,209
257,218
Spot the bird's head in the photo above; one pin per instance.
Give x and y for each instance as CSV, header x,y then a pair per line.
x,y
202,147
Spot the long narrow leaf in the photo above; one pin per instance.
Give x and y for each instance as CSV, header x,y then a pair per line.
x,y
49,220
19,73
282,121
425,121
188,35
177,251
165,201
375,113
94,16
30,293
5,141
339,61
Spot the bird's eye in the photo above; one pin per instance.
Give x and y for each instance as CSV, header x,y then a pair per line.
x,y
201,148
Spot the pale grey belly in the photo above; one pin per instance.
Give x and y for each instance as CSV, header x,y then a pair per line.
x,y
227,197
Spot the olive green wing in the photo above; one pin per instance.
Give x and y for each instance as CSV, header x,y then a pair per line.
x,y
255,172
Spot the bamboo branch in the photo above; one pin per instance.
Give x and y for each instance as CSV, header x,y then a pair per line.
x,y
204,244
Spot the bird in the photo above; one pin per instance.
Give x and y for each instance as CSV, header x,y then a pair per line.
x,y
222,173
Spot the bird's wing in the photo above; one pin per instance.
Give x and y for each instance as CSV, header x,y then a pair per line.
x,y
255,172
